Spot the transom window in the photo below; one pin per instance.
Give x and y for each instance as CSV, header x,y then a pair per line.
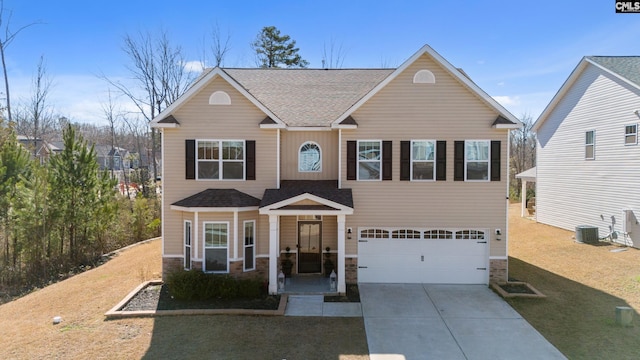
x,y
470,235
310,158
374,234
369,160
631,134
476,160
438,234
406,234
590,144
216,239
423,155
220,159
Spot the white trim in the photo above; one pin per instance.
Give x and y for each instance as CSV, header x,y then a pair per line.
x,y
244,246
426,49
488,161
320,157
184,243
593,144
308,128
278,159
501,257
348,127
411,160
213,209
271,209
204,81
235,235
173,256
204,247
166,126
162,219
339,158
369,161
507,126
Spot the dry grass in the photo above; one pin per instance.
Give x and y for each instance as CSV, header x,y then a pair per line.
x,y
27,332
583,283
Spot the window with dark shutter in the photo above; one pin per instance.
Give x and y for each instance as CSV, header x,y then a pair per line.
x,y
405,160
190,159
458,161
495,160
441,160
251,159
351,159
387,160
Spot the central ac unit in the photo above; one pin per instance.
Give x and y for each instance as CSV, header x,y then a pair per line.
x,y
587,234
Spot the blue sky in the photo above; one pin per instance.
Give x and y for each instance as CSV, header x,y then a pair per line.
x,y
518,52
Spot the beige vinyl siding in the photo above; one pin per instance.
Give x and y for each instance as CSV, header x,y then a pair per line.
x,y
199,120
446,111
330,233
288,232
290,145
571,190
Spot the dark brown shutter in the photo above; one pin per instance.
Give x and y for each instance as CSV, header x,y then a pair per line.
x,y
405,160
387,160
351,159
495,160
190,158
251,159
458,161
441,160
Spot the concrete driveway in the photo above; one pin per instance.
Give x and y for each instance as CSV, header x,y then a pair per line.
x,y
416,321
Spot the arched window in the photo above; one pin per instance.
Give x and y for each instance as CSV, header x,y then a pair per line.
x,y
219,98
310,157
424,77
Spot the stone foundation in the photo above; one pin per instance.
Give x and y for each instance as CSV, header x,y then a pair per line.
x,y
170,265
498,271
351,270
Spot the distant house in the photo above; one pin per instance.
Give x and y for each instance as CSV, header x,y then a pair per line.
x,y
398,175
43,149
588,156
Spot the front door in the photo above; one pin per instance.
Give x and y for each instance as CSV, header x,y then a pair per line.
x,y
309,247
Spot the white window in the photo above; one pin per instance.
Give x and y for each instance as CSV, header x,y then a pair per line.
x,y
216,240
631,134
310,157
438,234
187,245
220,159
590,144
406,234
476,160
423,159
470,235
249,245
369,160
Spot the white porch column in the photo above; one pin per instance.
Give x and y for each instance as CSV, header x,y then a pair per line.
x,y
342,287
523,197
273,254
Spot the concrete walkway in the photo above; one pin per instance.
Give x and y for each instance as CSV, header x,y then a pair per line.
x,y
314,305
414,321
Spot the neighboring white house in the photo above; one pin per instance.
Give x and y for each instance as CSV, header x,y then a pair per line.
x,y
588,156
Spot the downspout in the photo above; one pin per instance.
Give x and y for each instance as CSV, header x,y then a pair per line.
x,y
339,158
278,159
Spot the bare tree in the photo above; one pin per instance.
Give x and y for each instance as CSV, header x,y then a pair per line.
x,y
5,41
157,69
333,56
523,152
35,117
219,46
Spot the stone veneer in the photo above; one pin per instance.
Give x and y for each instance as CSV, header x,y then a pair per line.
x,y
498,270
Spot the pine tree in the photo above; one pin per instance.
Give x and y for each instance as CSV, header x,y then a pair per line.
x,y
274,50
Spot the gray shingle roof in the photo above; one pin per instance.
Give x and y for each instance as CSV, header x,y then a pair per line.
x,y
219,198
626,66
326,189
308,97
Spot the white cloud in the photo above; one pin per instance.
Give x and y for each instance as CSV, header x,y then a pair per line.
x,y
193,66
507,100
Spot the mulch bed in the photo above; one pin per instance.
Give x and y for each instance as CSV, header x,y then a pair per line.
x,y
157,297
516,288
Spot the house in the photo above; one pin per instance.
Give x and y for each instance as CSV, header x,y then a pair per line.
x,y
397,175
588,157
43,149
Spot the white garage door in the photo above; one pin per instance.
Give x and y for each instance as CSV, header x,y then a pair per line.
x,y
443,256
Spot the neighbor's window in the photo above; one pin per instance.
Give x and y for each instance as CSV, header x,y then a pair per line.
x,y
249,245
187,245
216,236
476,160
369,160
220,160
309,158
423,159
631,134
590,144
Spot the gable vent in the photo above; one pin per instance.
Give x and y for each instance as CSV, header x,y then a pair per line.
x,y
424,77
219,98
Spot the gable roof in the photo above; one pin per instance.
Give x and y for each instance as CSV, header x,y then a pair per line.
x,y
325,189
319,97
308,97
625,68
217,198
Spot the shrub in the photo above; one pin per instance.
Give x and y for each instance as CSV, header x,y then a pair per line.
x,y
196,285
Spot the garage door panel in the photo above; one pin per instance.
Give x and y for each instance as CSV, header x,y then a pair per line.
x,y
451,261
